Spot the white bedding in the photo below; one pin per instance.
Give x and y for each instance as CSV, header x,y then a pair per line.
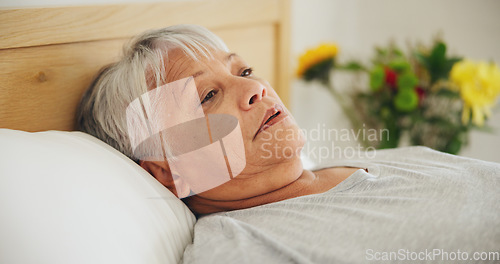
x,y
412,204
67,197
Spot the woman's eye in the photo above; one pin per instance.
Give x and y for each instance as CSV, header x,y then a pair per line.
x,y
209,96
246,72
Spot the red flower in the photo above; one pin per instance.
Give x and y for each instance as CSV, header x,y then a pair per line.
x,y
390,77
421,94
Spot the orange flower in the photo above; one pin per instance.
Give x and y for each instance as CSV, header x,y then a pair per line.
x,y
316,55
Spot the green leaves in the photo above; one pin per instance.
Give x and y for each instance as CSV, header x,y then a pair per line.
x,y
352,66
436,62
377,77
320,71
406,100
448,93
407,81
400,65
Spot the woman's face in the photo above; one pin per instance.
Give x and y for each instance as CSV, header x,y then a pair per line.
x,y
226,84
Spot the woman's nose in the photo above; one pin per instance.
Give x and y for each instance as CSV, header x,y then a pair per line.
x,y
253,92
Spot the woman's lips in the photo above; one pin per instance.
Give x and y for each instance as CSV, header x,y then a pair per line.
x,y
273,116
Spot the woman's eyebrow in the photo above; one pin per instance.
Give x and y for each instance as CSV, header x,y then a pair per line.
x,y
198,74
228,59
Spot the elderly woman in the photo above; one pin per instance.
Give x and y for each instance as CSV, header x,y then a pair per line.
x,y
412,203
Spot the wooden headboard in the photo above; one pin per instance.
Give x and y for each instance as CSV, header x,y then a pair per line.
x,y
48,56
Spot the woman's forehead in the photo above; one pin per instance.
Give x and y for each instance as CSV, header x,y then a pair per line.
x,y
181,65
207,56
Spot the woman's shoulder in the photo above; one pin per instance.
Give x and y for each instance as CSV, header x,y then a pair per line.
x,y
425,155
415,158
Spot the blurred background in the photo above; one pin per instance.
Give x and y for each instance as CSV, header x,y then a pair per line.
x,y
469,28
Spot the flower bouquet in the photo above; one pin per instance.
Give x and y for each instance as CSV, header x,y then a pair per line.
x,y
427,97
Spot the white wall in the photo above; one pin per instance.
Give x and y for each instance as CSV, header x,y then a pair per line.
x,y
471,29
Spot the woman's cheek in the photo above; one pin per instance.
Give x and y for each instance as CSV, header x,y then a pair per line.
x,y
281,143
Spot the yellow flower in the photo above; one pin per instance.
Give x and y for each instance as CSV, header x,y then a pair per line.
x,y
316,55
479,85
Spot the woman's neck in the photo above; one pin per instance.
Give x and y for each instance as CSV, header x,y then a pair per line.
x,y
308,182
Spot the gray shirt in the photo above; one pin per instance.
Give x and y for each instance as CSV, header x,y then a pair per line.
x,y
412,204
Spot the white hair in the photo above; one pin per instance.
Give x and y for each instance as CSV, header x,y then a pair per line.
x,y
102,110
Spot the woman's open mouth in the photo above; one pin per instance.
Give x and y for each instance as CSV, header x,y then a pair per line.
x,y
273,116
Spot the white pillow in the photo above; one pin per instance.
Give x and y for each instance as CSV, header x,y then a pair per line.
x,y
67,197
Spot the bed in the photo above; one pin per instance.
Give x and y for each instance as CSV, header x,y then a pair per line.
x,y
67,197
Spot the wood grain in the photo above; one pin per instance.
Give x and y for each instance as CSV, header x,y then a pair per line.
x,y
283,69
41,86
42,26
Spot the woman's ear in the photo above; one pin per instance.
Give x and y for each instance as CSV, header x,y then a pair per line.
x,y
161,171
